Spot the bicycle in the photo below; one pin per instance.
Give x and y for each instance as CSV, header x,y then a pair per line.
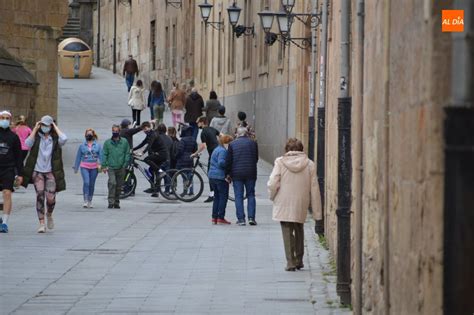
x,y
161,182
184,185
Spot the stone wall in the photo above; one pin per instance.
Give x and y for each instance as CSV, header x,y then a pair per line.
x,y
28,31
400,176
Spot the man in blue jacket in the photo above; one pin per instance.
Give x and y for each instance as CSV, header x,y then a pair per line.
x,y
241,161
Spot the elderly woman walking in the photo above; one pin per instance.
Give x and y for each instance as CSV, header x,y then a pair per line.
x,y
293,188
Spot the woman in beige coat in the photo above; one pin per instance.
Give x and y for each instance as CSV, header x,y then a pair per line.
x,y
293,187
177,101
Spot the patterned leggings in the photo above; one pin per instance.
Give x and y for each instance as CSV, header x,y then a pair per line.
x,y
45,186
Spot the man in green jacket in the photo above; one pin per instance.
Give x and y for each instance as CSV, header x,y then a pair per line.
x,y
115,158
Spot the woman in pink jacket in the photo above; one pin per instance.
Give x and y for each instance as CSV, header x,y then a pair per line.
x,y
22,131
293,187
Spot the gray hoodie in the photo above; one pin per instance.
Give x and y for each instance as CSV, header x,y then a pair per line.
x,y
222,124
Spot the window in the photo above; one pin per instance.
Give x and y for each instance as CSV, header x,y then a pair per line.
x,y
231,54
153,44
264,49
173,48
247,55
219,50
167,47
76,47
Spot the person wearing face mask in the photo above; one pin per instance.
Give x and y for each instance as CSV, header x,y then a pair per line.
x,y
11,164
115,158
88,161
44,166
217,179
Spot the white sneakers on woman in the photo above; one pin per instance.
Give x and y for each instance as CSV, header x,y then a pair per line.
x,y
49,224
42,228
87,204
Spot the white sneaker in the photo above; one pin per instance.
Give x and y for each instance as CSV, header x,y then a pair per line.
x,y
85,205
89,205
42,229
50,222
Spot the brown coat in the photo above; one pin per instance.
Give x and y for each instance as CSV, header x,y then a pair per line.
x,y
177,99
293,186
130,67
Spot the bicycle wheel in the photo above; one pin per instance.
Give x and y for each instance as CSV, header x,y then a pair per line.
x,y
164,182
129,185
187,185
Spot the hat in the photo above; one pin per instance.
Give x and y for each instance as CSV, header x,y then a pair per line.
x,y
6,113
47,120
125,123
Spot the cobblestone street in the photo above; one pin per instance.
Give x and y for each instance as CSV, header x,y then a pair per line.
x,y
151,256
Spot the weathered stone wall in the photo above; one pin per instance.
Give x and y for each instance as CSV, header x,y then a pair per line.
x,y
406,83
28,31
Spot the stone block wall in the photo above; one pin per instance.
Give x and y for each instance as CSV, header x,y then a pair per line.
x,y
28,31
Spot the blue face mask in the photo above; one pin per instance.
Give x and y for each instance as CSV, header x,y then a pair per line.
x,y
45,129
4,123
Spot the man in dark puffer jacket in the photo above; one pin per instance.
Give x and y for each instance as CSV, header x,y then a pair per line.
x,y
241,162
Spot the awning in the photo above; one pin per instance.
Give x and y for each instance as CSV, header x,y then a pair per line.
x,y
12,72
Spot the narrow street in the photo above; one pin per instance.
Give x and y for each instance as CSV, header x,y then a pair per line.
x,y
151,256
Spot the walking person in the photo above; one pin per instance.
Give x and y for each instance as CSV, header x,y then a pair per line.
x,y
127,132
177,100
221,123
150,95
242,158
212,106
209,140
44,166
11,166
130,69
194,106
115,158
22,131
243,123
186,147
136,100
157,102
218,180
293,187
88,161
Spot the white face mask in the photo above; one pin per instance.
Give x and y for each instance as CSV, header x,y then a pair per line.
x,y
45,129
4,123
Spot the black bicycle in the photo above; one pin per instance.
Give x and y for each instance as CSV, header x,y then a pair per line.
x,y
188,183
160,182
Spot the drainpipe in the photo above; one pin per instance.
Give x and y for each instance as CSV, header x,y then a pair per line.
x,y
114,66
98,34
459,172
344,166
321,146
359,162
312,86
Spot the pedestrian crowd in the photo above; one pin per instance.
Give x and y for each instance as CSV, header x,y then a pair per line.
x,y
35,156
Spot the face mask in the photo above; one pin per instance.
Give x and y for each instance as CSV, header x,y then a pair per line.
x,y
89,137
45,129
115,134
200,127
4,123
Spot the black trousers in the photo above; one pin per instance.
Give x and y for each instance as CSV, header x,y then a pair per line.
x,y
136,116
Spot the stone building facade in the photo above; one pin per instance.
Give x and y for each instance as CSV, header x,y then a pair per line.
x,y
28,33
169,44
397,146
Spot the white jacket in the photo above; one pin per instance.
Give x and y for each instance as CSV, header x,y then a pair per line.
x,y
136,98
293,186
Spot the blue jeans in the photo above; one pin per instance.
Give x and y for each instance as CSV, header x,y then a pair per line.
x,y
129,79
188,176
88,176
249,185
221,194
195,128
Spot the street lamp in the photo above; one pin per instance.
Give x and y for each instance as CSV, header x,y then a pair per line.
x,y
175,3
284,23
266,18
206,9
234,15
288,5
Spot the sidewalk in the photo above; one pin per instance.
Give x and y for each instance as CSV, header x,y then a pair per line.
x,y
152,256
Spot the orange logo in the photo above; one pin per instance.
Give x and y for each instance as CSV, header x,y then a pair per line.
x,y
453,20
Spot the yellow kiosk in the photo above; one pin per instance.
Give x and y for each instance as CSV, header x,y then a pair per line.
x,y
75,58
